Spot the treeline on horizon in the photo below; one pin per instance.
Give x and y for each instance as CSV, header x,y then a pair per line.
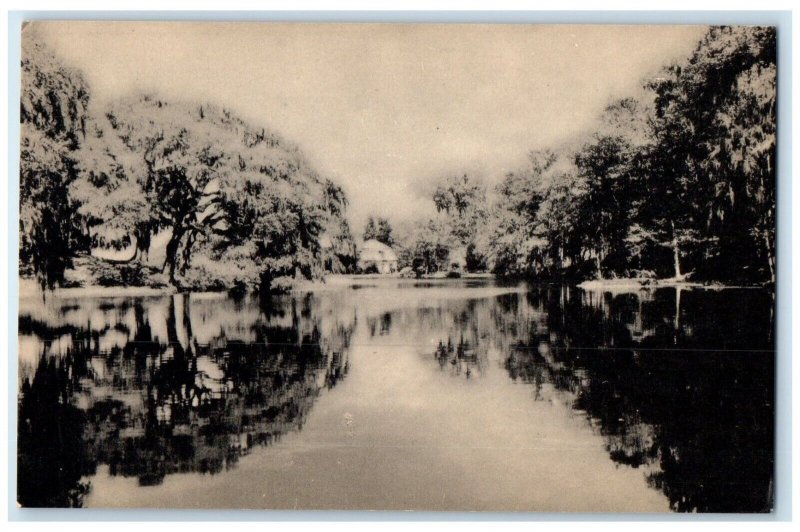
x,y
676,182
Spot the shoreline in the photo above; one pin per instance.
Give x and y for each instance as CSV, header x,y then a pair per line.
x,y
623,284
30,288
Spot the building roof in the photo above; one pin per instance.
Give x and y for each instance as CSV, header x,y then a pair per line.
x,y
373,250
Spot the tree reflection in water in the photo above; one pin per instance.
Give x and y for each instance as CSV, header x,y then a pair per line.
x,y
465,357
676,383
679,383
157,406
683,387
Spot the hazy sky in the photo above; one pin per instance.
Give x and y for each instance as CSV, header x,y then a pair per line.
x,y
383,109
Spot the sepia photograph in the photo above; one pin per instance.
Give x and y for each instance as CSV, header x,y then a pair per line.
x,y
396,266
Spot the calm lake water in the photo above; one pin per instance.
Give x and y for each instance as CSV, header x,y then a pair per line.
x,y
447,395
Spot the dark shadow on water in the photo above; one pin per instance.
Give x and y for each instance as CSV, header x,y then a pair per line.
x,y
678,384
153,408
682,385
52,458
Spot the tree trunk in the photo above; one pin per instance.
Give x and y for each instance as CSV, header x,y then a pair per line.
x,y
598,259
171,259
676,254
770,255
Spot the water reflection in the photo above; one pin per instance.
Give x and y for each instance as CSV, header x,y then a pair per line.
x,y
675,384
679,383
682,387
465,358
140,390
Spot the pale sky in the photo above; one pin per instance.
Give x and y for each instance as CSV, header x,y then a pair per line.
x,y
383,109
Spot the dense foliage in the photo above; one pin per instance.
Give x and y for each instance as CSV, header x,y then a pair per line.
x,y
379,229
679,181
239,206
52,113
243,208
454,238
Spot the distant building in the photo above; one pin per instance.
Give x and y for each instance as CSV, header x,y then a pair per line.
x,y
377,256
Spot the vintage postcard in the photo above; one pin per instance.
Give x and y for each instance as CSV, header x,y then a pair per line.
x,y
433,267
